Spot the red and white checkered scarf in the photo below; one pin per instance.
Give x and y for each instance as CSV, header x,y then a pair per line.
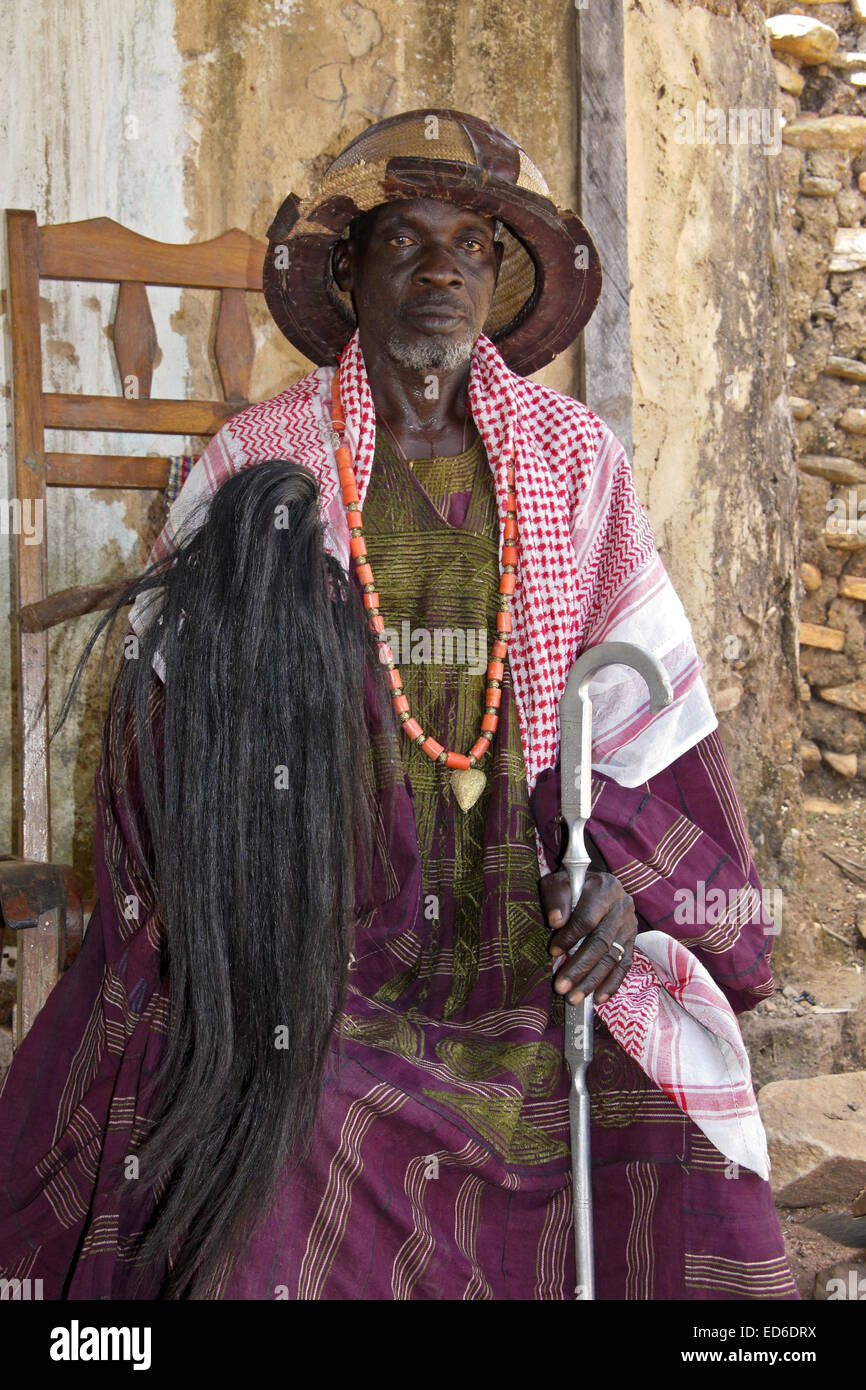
x,y
589,573
589,570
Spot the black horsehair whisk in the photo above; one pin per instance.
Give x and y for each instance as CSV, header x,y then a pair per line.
x,y
264,647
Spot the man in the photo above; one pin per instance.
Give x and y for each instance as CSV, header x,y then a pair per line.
x,y
434,269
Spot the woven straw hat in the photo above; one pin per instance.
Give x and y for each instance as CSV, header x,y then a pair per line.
x,y
550,278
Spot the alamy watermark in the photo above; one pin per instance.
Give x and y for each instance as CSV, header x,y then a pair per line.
x,y
23,516
710,125
852,1288
707,906
423,646
77,1343
846,516
21,1290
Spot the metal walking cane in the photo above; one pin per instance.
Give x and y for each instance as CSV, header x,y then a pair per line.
x,y
575,763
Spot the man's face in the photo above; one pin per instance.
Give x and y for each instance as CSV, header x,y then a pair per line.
x,y
421,274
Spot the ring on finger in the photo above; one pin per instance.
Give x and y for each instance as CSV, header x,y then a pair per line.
x,y
620,950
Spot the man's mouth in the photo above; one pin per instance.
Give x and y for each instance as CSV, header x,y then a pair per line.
x,y
436,316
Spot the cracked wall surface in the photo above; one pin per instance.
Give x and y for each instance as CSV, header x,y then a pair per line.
x,y
713,442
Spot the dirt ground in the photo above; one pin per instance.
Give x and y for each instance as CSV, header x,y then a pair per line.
x,y
811,1250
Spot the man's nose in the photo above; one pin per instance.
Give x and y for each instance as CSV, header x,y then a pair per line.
x,y
438,265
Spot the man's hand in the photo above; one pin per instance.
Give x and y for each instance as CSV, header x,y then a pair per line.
x,y
604,915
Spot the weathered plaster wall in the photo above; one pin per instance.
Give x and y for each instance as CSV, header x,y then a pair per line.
x,y
93,127
276,90
711,419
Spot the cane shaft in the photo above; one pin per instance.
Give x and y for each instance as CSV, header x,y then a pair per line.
x,y
575,710
579,1019
578,1054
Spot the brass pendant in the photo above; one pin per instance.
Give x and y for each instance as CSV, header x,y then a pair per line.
x,y
467,785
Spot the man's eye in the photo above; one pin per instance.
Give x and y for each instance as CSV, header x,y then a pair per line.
x,y
471,241
398,236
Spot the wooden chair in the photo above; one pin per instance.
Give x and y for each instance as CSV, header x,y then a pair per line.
x,y
39,900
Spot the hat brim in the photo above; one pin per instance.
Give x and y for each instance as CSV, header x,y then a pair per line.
x,y
298,284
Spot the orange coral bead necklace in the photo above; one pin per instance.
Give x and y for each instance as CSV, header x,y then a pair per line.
x,y
467,780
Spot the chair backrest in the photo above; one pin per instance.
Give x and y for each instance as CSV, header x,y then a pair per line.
x,y
99,250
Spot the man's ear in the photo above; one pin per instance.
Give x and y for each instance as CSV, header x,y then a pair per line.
x,y
342,264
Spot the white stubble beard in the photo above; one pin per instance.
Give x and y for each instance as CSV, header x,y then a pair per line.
x,y
435,355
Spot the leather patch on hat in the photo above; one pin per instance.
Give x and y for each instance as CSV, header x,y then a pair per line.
x,y
285,219
335,213
497,155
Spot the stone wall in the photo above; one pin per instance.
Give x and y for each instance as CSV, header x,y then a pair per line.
x,y
821,67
